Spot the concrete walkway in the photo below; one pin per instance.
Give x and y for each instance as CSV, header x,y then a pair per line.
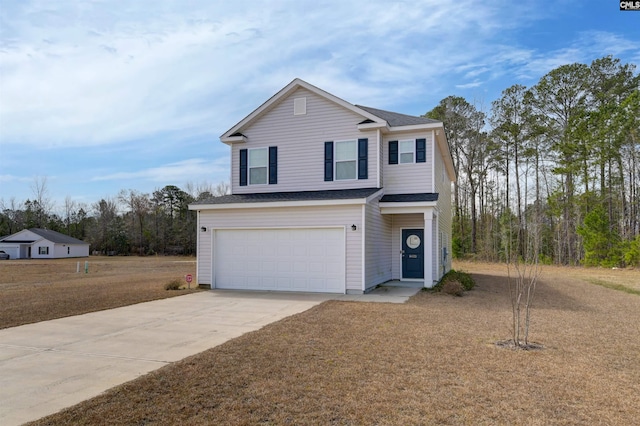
x,y
47,366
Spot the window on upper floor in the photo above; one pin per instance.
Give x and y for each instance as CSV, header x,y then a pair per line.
x,y
259,166
346,160
408,151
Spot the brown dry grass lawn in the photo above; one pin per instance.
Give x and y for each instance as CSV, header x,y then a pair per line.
x,y
430,361
36,289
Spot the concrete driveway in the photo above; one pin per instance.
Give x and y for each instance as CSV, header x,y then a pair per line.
x,y
47,366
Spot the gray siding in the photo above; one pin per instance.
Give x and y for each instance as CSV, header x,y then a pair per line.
x,y
205,252
377,245
407,178
300,141
286,217
443,188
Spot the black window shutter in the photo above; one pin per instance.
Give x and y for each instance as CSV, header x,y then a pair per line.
x,y
363,146
421,150
393,152
243,167
273,165
328,161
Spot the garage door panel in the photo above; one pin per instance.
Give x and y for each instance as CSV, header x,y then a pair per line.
x,y
281,259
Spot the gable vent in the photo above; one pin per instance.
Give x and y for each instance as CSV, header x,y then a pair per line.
x,y
299,106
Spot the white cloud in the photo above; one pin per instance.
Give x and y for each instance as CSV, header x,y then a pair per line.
x,y
14,178
172,172
469,85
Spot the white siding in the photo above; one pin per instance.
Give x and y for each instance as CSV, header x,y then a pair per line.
x,y
300,140
411,177
70,250
400,221
35,250
377,245
289,217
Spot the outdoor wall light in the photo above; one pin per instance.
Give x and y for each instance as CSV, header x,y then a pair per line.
x,y
203,229
354,227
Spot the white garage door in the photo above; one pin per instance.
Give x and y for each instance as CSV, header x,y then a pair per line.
x,y
281,259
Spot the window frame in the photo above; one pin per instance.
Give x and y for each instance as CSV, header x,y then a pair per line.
x,y
353,160
43,250
265,166
412,151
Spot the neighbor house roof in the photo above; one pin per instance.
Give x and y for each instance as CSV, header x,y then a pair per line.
x,y
56,237
395,119
53,236
270,197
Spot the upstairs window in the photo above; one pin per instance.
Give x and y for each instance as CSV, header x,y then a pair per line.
x,y
346,160
408,151
407,148
258,166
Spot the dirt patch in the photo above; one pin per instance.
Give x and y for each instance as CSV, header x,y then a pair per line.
x,y
432,360
37,290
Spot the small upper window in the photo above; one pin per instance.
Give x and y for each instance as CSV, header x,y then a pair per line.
x,y
407,149
258,166
346,160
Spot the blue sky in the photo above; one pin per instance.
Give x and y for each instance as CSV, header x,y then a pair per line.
x,y
99,96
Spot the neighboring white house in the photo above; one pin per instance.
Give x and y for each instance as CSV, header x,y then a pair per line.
x,y
327,196
36,243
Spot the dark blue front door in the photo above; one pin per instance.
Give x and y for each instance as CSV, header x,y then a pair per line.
x,y
412,253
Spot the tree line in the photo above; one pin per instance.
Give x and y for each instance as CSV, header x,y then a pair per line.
x,y
558,162
131,222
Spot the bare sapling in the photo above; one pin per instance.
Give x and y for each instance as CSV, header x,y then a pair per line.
x,y
523,266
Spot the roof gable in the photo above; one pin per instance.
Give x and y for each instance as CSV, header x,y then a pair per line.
x,y
372,117
235,132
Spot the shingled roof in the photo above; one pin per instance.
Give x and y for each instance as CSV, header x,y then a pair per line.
x,y
271,197
396,119
56,237
409,198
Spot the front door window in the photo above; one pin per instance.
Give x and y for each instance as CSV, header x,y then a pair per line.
x,y
413,254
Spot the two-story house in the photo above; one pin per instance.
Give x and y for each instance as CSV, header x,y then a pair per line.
x,y
327,196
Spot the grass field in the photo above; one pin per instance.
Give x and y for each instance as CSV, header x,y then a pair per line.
x,y
36,290
430,361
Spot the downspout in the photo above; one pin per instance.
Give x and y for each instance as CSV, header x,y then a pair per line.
x,y
198,247
433,161
364,252
379,160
